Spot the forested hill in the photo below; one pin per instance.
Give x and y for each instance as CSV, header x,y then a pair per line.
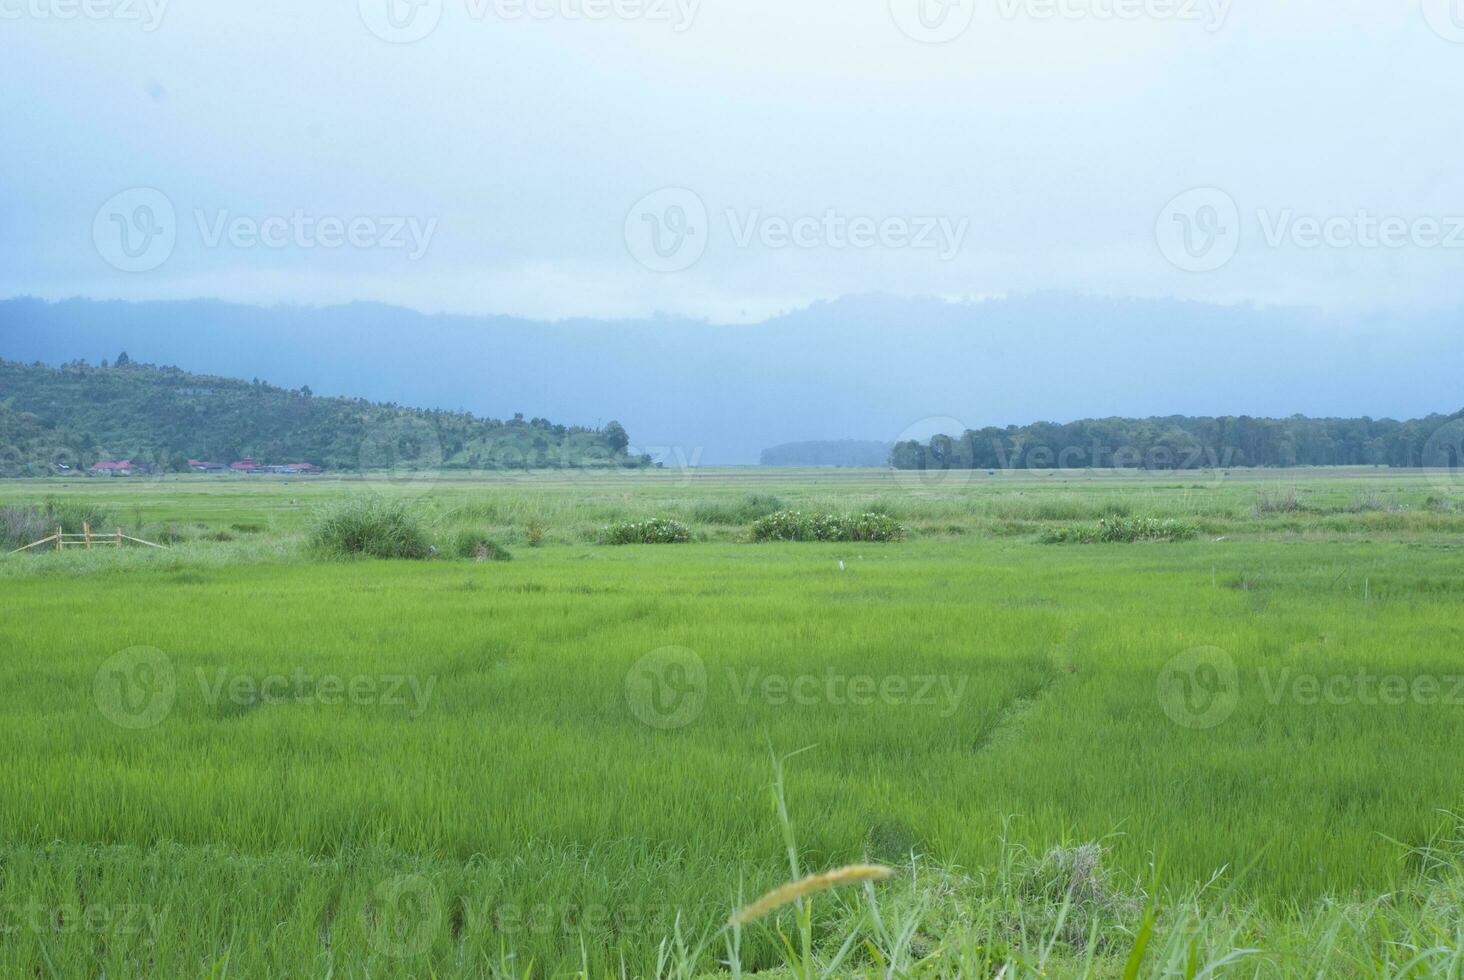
x,y
161,417
1181,442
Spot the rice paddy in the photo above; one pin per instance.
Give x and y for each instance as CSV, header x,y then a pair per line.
x,y
237,757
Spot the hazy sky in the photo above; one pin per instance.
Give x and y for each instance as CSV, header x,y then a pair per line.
x,y
730,159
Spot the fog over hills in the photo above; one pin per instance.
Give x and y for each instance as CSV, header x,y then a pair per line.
x,y
869,367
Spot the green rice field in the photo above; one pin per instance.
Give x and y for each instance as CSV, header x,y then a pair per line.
x,y
1234,754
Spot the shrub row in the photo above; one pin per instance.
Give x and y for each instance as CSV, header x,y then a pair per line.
x,y
374,527
792,525
1122,530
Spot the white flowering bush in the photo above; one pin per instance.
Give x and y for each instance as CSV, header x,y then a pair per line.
x,y
792,525
1123,530
657,530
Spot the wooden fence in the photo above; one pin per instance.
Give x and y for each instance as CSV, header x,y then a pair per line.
x,y
84,538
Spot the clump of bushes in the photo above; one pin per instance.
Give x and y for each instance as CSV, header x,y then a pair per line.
x,y
792,525
167,534
1285,502
477,546
1365,502
21,525
657,530
1440,505
368,526
1122,530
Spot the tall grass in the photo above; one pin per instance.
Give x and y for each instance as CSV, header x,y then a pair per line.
x,y
23,524
370,527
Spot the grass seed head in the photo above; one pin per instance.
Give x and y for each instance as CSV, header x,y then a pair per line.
x,y
787,894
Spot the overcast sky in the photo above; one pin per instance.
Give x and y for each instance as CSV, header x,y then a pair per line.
x,y
726,159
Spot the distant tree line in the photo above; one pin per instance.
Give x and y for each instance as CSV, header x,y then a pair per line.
x,y
1183,443
160,417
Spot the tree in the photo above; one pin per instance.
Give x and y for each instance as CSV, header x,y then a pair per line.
x,y
616,437
122,360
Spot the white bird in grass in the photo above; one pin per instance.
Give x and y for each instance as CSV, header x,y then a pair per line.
x,y
841,564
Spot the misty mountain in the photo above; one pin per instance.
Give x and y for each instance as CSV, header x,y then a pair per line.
x,y
873,367
828,452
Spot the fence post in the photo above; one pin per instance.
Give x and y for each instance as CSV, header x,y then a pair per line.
x,y
86,533
60,539
119,537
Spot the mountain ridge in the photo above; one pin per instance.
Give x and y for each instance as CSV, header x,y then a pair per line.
x,y
160,418
875,367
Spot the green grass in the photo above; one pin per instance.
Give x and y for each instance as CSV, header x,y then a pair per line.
x,y
584,731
